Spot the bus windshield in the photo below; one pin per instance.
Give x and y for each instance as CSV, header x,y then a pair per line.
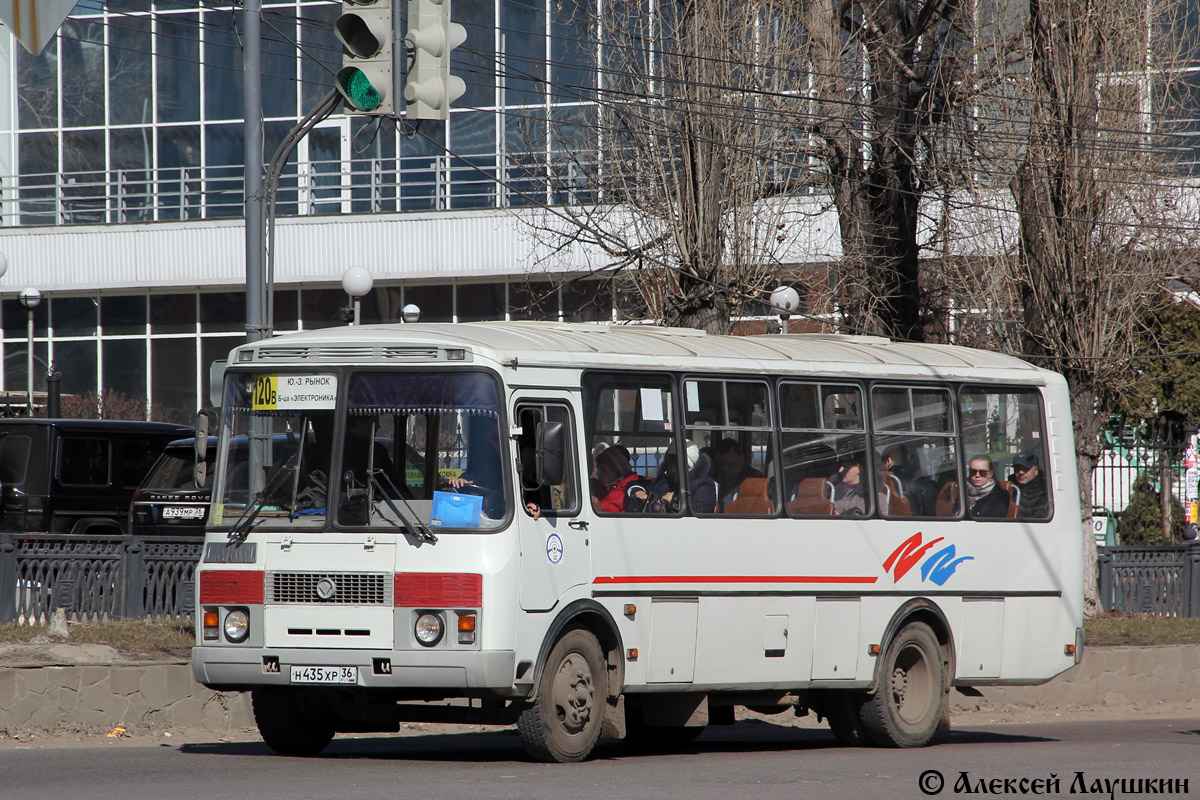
x,y
275,460
416,451
424,445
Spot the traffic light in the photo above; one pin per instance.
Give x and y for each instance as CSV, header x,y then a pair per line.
x,y
365,79
430,88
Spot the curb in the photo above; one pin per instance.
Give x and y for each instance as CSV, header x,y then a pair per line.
x,y
146,696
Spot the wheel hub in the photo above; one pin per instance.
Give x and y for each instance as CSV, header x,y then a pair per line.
x,y
899,685
573,693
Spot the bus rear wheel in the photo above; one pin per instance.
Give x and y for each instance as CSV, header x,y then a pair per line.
x,y
290,722
905,709
564,723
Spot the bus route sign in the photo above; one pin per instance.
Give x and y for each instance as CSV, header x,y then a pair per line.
x,y
294,392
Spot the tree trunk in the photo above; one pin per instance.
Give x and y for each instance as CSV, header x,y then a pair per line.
x,y
1087,426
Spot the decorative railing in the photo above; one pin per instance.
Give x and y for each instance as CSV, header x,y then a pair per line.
x,y
96,577
360,186
1164,581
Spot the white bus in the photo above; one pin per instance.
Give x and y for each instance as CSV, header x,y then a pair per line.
x,y
491,523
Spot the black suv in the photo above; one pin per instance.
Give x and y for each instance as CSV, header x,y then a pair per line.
x,y
168,501
75,475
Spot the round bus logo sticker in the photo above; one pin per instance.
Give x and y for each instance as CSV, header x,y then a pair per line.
x,y
554,548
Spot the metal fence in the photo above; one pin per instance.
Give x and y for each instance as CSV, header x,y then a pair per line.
x,y
411,183
96,577
1164,580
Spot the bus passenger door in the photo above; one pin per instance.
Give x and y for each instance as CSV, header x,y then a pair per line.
x,y
555,553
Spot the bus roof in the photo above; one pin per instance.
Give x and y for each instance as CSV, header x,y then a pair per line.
x,y
583,345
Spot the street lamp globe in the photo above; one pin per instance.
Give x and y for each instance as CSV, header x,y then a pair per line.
x,y
3,264
31,298
410,313
357,281
785,300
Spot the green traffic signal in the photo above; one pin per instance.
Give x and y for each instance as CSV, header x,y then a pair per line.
x,y
361,93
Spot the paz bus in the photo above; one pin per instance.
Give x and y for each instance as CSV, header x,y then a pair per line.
x,y
629,531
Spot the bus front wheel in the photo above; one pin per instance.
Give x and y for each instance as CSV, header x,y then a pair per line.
x,y
905,709
564,722
290,723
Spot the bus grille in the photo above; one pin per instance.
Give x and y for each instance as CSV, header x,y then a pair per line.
x,y
330,588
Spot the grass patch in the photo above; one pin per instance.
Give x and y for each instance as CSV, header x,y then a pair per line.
x,y
1113,628
132,637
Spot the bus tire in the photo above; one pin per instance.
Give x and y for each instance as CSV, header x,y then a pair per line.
x,y
564,723
842,710
906,707
289,724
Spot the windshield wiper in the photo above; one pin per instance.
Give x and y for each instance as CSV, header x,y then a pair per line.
x,y
411,519
273,482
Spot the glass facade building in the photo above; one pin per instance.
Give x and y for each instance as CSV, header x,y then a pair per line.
x,y
131,119
133,115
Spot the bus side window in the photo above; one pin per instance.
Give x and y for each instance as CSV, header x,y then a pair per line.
x,y
730,421
556,499
824,451
1008,426
636,416
916,451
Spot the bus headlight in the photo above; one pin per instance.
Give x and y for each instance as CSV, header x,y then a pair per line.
x,y
237,625
428,629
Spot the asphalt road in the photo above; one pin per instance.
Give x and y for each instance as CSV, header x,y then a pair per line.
x,y
748,760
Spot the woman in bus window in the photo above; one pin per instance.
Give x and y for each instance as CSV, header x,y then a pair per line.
x,y
985,497
613,478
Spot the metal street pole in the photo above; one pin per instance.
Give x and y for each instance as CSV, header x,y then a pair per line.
x,y
31,298
257,324
29,361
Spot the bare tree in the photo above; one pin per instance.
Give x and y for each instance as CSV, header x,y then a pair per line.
x,y
893,88
684,177
1099,222
714,116
113,404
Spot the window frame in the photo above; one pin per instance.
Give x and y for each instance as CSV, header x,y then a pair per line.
x,y
571,457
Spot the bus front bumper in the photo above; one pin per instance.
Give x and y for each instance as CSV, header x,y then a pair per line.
x,y
241,668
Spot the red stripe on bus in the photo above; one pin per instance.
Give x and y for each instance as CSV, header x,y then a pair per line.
x,y
438,590
227,587
737,579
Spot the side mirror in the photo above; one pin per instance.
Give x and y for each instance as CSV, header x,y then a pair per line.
x,y
551,453
204,420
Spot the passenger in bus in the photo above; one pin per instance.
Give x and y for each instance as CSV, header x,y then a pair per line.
x,y
613,478
919,492
985,497
701,487
732,469
850,490
1032,483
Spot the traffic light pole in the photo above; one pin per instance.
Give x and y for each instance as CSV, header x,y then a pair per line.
x,y
258,326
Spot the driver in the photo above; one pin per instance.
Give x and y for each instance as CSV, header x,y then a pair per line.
x,y
485,471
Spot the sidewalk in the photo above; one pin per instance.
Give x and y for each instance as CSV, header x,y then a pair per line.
x,y
46,689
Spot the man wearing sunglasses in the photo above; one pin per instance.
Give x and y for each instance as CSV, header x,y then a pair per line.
x,y
985,497
1035,502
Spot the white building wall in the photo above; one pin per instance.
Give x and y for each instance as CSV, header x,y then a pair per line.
x,y
415,246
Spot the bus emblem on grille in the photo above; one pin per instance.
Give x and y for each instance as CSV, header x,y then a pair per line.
x,y
326,588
